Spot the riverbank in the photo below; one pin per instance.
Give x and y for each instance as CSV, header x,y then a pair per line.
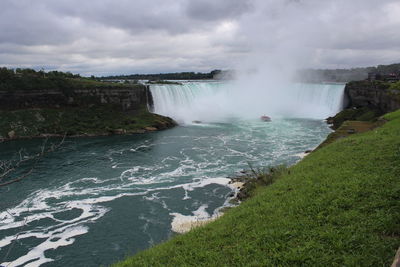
x,y
78,121
47,104
338,206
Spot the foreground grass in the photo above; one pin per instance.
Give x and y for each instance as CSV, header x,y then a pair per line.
x,y
340,206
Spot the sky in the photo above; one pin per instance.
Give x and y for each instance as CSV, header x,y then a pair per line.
x,y
104,37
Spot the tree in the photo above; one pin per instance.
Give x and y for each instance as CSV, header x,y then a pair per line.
x,y
11,170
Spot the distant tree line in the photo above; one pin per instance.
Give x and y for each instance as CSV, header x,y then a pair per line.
x,y
29,79
166,76
344,75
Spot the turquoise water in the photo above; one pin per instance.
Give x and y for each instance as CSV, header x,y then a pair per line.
x,y
96,200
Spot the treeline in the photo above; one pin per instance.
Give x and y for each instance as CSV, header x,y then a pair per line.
x,y
166,76
344,75
29,79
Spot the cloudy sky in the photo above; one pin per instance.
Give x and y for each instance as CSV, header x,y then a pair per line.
x,y
145,36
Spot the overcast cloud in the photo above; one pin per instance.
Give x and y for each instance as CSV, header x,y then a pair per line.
x,y
123,36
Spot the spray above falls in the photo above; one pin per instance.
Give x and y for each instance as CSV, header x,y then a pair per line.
x,y
219,101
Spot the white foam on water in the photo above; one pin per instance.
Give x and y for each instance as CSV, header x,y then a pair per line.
x,y
184,223
55,239
202,164
205,182
186,196
64,230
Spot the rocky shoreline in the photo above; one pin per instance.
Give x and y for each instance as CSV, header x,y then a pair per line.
x,y
148,129
102,120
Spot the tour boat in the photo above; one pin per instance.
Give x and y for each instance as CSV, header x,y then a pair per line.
x,y
265,118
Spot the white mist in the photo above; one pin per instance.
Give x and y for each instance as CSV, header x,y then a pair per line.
x,y
221,101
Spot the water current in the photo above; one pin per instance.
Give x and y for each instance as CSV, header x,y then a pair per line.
x,y
96,200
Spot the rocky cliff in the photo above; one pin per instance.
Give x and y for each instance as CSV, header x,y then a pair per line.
x,y
127,98
100,110
372,94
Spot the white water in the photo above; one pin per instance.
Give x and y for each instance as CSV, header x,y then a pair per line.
x,y
155,183
216,101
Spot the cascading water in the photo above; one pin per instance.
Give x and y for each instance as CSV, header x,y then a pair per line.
x,y
217,101
97,199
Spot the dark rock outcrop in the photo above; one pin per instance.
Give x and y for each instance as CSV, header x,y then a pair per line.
x,y
127,98
372,94
94,111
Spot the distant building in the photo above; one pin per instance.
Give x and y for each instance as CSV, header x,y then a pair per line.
x,y
371,76
387,77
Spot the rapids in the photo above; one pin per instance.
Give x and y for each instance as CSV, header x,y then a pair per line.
x,y
97,199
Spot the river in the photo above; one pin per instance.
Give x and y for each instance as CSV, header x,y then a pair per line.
x,y
96,200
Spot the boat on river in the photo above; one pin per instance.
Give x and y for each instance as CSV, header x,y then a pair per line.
x,y
265,118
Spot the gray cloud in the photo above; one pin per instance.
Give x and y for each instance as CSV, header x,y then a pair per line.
x,y
24,22
215,10
124,36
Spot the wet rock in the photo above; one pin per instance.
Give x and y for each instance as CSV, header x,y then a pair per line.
x,y
396,261
351,131
140,131
39,117
238,185
372,94
151,129
119,131
12,134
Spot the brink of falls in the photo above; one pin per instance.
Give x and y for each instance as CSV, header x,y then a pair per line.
x,y
217,101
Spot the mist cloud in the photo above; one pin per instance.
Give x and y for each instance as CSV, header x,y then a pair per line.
x,y
122,36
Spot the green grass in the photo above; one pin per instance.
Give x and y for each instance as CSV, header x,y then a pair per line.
x,y
340,206
257,178
395,86
96,120
359,114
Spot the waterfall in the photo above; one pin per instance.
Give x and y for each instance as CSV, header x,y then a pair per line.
x,y
218,101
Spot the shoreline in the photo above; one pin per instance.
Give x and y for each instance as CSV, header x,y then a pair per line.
x,y
242,184
328,200
75,122
44,136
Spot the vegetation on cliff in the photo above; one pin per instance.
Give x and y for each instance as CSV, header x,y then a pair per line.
x,y
38,103
96,120
366,114
338,207
395,86
379,96
167,76
29,79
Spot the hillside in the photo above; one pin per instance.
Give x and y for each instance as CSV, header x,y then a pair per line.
x,y
338,207
39,104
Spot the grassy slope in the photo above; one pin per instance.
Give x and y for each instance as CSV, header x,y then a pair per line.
x,y
340,206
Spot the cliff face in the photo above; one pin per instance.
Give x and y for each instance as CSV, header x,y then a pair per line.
x,y
129,98
101,110
376,95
